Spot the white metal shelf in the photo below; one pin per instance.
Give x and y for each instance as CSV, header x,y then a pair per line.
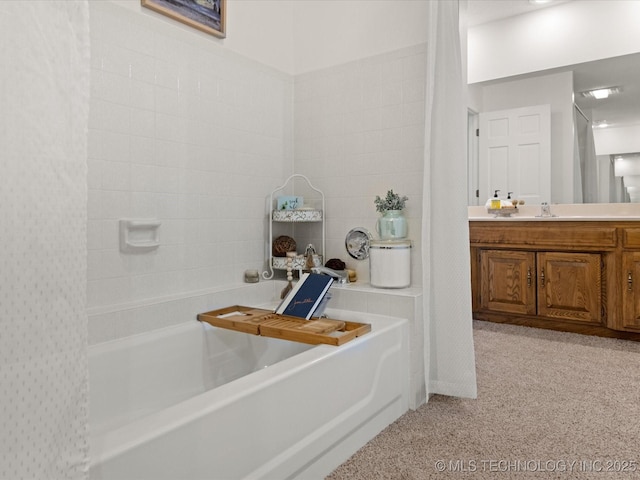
x,y
302,215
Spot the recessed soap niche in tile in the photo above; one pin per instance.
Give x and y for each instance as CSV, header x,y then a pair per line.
x,y
139,235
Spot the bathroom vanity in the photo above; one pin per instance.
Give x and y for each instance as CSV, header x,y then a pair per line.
x,y
577,273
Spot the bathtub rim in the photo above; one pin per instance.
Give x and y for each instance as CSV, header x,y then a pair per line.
x,y
121,439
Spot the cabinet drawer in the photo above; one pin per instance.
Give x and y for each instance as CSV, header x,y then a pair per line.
x,y
544,235
631,238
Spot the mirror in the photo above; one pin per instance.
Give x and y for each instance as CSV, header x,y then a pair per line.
x,y
615,121
612,172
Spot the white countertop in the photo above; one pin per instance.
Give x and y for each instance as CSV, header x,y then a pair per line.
x,y
565,212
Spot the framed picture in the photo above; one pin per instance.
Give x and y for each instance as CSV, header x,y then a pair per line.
x,y
206,15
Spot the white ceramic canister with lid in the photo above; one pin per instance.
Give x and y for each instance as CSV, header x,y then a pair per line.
x,y
390,263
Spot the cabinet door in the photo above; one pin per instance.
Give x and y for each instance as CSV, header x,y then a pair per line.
x,y
570,286
506,281
631,290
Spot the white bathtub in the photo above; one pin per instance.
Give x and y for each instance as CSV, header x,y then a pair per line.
x,y
196,402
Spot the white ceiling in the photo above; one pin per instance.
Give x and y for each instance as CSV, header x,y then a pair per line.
x,y
483,11
623,71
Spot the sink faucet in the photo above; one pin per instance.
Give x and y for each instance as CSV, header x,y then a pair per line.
x,y
545,210
342,276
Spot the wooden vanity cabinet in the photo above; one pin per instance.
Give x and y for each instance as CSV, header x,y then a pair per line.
x,y
560,285
506,281
631,291
630,285
570,286
578,276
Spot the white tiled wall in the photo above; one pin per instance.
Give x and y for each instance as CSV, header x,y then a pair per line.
x,y
185,132
196,136
359,131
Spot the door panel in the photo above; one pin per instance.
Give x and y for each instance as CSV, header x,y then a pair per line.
x,y
631,290
515,153
507,281
570,286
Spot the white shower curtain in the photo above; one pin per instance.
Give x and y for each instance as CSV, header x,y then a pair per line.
x,y
616,187
448,336
578,156
590,167
44,51
585,160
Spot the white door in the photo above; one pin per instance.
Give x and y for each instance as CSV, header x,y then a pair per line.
x,y
515,154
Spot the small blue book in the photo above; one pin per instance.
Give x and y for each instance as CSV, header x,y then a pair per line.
x,y
305,297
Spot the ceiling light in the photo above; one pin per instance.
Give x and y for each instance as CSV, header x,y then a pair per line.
x,y
601,124
601,93
539,2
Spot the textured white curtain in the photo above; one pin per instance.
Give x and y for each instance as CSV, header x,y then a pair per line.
x,y
449,353
585,161
589,167
615,183
44,51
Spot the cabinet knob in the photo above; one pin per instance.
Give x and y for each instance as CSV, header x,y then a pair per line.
x,y
629,281
542,278
529,277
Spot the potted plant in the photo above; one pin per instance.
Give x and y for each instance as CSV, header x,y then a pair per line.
x,y
391,225
392,201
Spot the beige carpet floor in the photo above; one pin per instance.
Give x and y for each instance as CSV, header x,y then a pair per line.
x,y
550,405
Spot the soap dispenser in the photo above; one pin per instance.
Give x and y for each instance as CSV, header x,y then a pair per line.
x,y
495,201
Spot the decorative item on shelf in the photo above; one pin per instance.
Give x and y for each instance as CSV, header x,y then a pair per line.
x,y
289,287
312,259
289,202
335,264
339,266
282,245
251,276
390,263
392,225
357,243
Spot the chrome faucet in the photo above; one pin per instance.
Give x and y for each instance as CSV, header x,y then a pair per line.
x,y
545,210
342,276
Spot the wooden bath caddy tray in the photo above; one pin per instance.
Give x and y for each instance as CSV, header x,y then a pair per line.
x,y
258,321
